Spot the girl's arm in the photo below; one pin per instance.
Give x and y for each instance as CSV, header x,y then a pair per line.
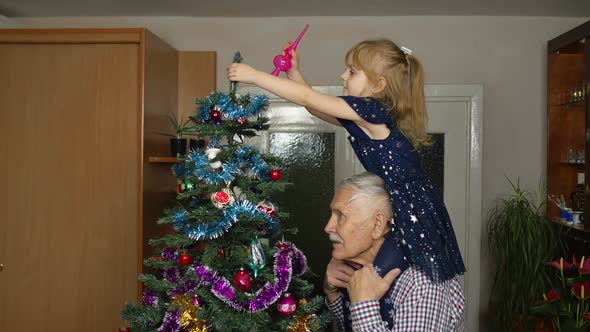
x,y
295,75
295,92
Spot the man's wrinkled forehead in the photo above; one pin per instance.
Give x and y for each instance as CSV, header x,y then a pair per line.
x,y
344,198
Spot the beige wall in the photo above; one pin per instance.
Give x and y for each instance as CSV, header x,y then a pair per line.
x,y
8,23
505,54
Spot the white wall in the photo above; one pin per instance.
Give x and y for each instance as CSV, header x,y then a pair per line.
x,y
505,54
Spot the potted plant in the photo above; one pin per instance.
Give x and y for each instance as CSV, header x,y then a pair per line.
x,y
177,141
196,143
521,240
566,304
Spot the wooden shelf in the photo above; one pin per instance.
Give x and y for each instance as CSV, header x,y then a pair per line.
x,y
570,225
169,160
581,102
572,163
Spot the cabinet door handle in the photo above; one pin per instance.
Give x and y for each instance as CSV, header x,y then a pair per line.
x,y
1,267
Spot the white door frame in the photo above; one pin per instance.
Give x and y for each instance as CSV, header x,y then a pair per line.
x,y
472,95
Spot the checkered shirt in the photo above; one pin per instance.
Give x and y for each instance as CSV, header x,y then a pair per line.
x,y
419,305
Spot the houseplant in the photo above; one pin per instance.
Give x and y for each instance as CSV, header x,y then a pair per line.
x,y
566,304
177,141
521,240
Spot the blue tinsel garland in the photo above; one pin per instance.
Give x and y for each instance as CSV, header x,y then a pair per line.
x,y
217,228
197,164
228,109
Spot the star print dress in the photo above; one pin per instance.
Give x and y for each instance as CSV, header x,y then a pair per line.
x,y
422,229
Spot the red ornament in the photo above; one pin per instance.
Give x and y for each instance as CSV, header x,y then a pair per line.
x,y
223,198
196,302
286,305
242,281
124,329
275,174
215,115
241,121
184,259
267,208
220,254
281,246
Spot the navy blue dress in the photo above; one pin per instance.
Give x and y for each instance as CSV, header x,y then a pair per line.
x,y
422,231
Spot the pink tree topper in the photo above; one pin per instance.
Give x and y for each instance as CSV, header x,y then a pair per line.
x,y
282,61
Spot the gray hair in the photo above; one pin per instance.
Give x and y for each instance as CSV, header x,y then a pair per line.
x,y
368,184
364,183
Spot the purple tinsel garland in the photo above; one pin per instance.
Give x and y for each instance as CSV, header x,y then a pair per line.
x,y
172,275
150,298
189,286
171,322
169,254
287,261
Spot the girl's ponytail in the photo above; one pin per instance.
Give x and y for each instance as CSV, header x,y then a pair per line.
x,y
418,118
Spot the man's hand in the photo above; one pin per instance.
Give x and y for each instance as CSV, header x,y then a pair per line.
x,y
366,284
338,274
239,72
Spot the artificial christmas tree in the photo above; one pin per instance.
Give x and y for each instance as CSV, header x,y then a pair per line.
x,y
235,281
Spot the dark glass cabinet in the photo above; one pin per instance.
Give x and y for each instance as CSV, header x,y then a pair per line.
x,y
568,133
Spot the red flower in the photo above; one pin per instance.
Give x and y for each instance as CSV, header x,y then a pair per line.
x,y
561,264
551,296
581,290
583,266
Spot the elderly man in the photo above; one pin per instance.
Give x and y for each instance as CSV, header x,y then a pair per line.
x,y
358,296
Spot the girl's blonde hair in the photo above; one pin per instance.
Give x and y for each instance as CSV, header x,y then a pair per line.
x,y
404,90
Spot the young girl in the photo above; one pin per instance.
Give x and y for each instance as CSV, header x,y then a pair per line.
x,y
383,110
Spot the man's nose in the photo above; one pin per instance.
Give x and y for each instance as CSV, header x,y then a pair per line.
x,y
330,227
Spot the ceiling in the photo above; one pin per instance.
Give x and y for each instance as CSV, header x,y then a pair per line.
x,y
278,8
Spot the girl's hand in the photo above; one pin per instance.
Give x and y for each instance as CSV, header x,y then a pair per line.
x,y
294,61
366,284
239,72
338,274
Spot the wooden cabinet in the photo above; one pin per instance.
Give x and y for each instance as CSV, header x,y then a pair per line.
x,y
568,128
80,111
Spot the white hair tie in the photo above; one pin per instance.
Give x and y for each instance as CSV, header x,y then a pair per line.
x,y
407,53
406,50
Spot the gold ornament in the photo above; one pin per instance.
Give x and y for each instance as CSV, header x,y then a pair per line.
x,y
188,318
300,324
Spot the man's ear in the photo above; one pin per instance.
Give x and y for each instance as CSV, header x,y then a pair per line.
x,y
380,225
